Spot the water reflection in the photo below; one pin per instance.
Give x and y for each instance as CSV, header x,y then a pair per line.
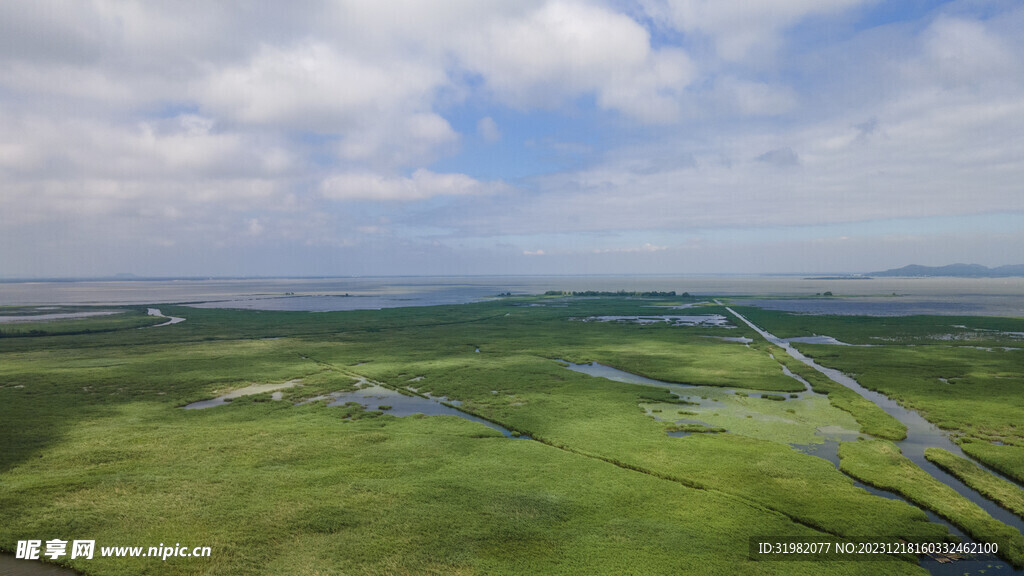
x,y
375,397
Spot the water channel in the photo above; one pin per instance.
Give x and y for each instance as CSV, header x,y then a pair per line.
x,y
170,319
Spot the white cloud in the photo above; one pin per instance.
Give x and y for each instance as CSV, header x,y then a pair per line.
x,y
943,156
253,227
488,129
314,87
121,118
646,247
184,147
780,157
959,52
740,31
422,185
562,50
752,97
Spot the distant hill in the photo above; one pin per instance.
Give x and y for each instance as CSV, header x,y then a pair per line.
x,y
958,270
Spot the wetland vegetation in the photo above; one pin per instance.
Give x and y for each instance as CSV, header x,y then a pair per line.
x,y
96,444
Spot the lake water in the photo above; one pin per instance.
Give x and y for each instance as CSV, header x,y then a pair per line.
x,y
981,296
946,305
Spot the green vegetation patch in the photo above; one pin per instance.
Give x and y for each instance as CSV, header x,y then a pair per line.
x,y
96,443
277,489
872,419
808,420
1005,458
125,318
880,464
1006,494
978,392
694,428
956,330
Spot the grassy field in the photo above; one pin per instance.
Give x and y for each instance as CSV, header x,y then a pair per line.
x,y
950,330
125,318
96,445
1005,458
872,419
1007,494
879,463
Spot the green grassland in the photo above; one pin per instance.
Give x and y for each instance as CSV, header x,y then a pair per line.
x,y
1005,458
872,419
1007,494
96,446
982,395
951,330
127,317
879,463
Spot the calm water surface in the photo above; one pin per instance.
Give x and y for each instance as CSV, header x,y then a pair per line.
x,y
981,296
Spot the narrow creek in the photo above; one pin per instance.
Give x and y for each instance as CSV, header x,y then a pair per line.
x,y
157,312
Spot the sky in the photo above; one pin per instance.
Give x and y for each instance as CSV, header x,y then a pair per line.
x,y
463,137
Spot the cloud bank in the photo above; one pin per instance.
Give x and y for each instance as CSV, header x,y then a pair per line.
x,y
539,136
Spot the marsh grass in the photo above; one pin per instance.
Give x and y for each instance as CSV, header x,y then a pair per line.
x,y
128,317
699,428
1008,459
1006,494
880,464
95,443
872,419
936,330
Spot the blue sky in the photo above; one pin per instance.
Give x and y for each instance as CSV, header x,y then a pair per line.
x,y
531,137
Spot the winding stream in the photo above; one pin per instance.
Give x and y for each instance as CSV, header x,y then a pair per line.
x,y
170,319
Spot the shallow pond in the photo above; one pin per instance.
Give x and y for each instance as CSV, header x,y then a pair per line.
x,y
707,320
685,391
374,397
976,305
820,340
607,372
